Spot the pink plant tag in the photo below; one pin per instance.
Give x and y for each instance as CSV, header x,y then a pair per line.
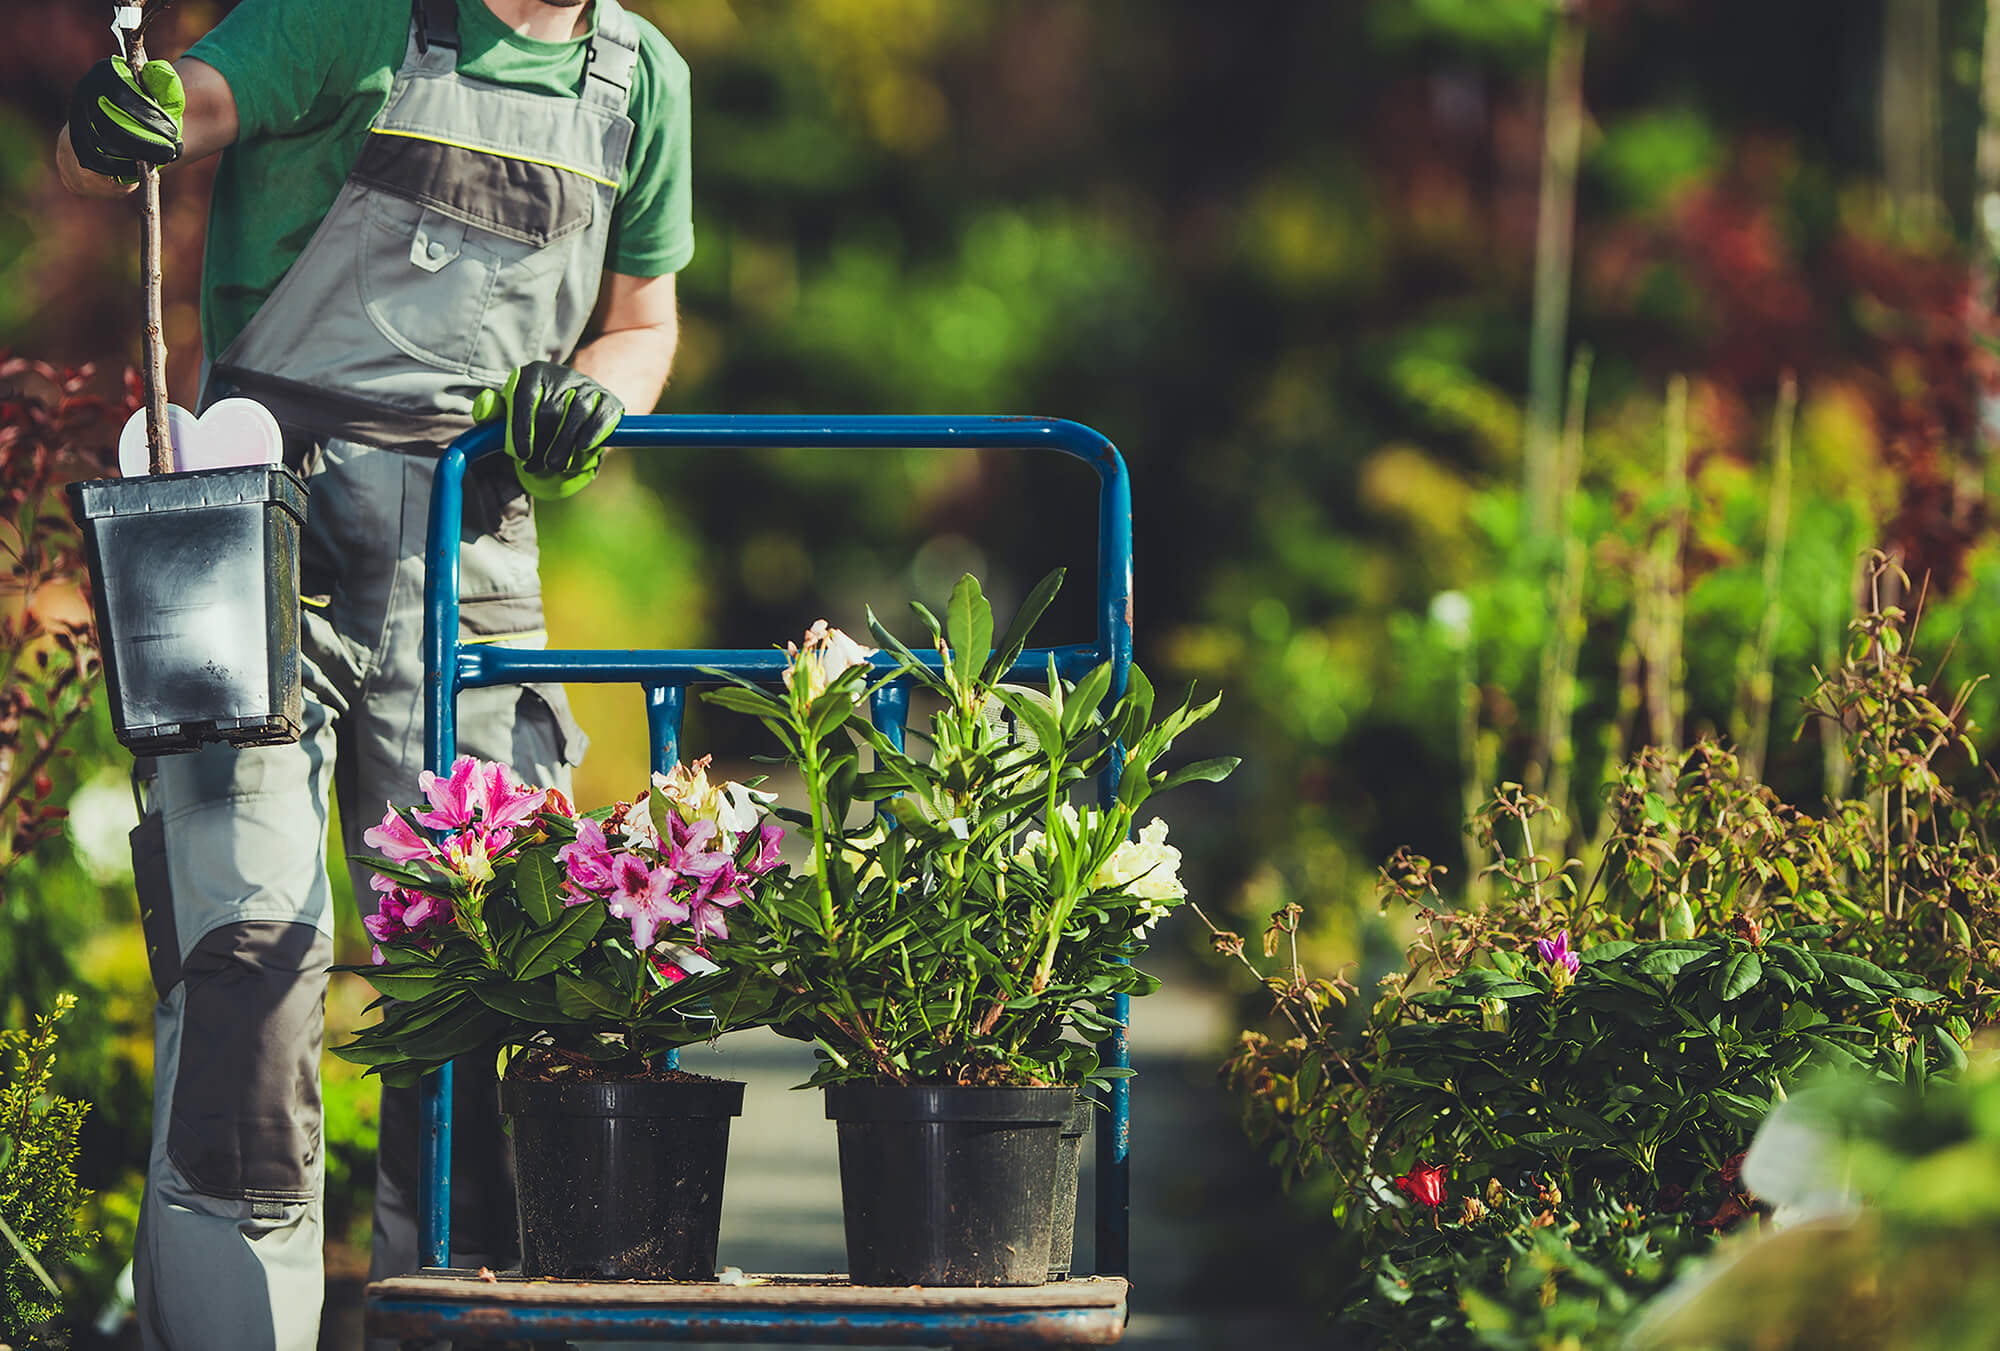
x,y
232,433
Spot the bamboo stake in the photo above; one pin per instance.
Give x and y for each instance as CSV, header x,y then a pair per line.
x,y
159,448
1666,677
1555,230
1556,712
1755,679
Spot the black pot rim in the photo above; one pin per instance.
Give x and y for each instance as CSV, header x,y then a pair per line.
x,y
631,1097
863,1101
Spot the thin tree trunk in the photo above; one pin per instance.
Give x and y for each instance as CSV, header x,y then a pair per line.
x,y
159,449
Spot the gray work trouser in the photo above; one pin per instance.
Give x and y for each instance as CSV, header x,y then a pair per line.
x,y
229,1242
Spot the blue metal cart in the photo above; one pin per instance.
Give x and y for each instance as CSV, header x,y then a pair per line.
x,y
442,1302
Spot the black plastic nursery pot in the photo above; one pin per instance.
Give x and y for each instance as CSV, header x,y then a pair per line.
x,y
942,1185
621,1181
194,578
1069,1167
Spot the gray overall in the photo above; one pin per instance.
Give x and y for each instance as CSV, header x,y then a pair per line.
x,y
468,239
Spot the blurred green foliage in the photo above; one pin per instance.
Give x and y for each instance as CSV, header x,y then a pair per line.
x,y
1282,255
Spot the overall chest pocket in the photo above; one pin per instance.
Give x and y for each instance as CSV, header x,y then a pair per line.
x,y
462,253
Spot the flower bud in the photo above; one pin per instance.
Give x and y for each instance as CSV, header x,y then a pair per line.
x,y
1680,919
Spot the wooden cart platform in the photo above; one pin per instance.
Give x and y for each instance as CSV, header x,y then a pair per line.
x,y
1089,1311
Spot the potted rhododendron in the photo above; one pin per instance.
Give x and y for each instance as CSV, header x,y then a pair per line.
x,y
953,958
575,944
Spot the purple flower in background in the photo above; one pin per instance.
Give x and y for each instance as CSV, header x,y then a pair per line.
x,y
1556,954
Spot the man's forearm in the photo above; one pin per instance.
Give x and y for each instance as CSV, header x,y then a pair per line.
x,y
80,180
632,363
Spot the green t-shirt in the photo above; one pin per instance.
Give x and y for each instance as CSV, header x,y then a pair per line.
x,y
310,76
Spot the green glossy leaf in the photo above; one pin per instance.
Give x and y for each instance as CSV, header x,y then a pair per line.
x,y
405,985
1736,976
538,883
545,949
1667,959
517,1002
1080,703
589,999
1201,770
1843,964
969,626
1015,640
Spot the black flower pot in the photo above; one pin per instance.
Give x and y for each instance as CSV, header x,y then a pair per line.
x,y
195,581
620,1181
1069,1167
942,1185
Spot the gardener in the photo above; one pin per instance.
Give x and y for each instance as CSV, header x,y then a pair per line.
x,y
415,217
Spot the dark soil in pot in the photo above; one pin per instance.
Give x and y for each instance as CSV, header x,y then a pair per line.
x,y
621,1180
944,1185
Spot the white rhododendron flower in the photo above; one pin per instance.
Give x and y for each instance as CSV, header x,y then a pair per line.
x,y
733,807
826,653
1147,869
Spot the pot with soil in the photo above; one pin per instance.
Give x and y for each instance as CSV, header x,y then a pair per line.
x,y
948,1185
620,1179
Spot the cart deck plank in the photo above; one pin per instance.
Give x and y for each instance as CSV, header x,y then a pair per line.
x,y
1088,1311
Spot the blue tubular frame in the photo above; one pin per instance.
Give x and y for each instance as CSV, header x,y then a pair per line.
x,y
451,666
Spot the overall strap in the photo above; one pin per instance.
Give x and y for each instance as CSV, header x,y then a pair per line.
x,y
433,35
611,58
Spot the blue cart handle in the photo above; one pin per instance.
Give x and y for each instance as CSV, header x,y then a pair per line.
x,y
451,665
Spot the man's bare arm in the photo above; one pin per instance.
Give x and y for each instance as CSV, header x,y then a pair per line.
x,y
638,329
208,125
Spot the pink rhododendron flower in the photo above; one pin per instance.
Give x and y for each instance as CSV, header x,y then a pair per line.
x,y
724,886
509,802
387,921
587,858
456,800
644,896
402,913
709,919
396,841
769,835
470,853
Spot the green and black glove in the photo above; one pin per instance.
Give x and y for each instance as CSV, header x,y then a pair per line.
x,y
117,121
557,422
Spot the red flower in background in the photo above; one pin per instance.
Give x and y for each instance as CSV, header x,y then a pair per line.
x,y
1423,1184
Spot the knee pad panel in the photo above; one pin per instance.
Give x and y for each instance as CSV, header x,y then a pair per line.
x,y
246,1101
